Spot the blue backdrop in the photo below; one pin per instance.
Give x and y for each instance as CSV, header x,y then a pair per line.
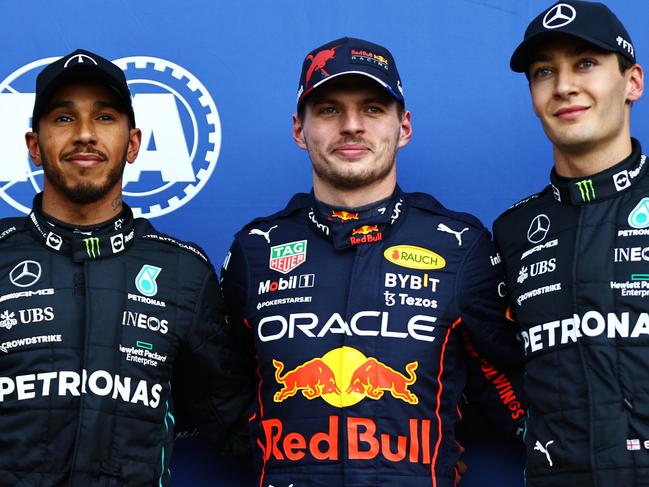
x,y
215,85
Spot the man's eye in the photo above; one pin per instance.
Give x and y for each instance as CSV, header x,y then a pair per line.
x,y
542,72
63,119
327,110
586,63
105,117
375,109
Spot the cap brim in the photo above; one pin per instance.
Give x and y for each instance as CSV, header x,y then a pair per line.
x,y
520,59
399,98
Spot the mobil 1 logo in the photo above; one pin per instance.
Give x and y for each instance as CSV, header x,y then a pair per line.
x,y
181,136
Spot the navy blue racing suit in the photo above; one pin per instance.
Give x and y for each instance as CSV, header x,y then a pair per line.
x,y
356,322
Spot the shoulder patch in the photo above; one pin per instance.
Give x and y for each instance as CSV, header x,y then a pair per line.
x,y
144,229
9,226
524,201
429,203
178,243
297,202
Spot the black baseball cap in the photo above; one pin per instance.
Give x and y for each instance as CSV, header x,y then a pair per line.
x,y
349,56
593,22
76,66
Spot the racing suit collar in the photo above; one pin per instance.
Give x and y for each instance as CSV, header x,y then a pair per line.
x,y
614,180
82,243
352,227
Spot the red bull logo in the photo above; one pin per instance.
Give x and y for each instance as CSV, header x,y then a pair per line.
x,y
314,378
364,441
365,230
373,378
369,234
318,62
362,378
344,215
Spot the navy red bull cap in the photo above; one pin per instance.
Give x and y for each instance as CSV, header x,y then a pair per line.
x,y
78,66
593,22
349,56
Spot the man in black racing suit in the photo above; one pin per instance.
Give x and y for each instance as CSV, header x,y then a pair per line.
x,y
111,333
357,297
577,258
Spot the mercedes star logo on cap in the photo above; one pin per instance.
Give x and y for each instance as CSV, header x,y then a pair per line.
x,y
559,15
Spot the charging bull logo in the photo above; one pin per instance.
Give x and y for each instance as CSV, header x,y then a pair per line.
x,y
343,215
365,230
365,234
318,62
362,377
313,378
373,378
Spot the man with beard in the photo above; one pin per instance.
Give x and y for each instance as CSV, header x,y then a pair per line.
x,y
356,299
112,335
577,258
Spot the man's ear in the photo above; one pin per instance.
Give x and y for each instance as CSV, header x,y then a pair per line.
x,y
31,139
298,132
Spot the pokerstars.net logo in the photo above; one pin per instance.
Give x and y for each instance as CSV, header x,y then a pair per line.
x,y
181,136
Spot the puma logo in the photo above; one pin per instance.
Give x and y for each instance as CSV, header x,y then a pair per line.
x,y
443,228
544,449
266,234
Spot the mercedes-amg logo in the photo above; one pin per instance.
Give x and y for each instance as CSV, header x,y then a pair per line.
x,y
538,228
25,273
559,16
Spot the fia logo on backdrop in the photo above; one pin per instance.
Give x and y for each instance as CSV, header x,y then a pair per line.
x,y
181,136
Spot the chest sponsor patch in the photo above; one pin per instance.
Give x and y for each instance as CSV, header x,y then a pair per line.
x,y
286,257
414,257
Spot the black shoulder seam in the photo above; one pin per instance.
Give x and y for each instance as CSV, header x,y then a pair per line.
x,y
9,226
297,202
428,203
524,201
188,246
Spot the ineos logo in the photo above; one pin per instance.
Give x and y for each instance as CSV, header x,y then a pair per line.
x,y
538,229
559,16
25,274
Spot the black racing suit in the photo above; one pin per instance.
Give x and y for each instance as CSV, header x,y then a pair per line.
x,y
577,262
357,322
109,336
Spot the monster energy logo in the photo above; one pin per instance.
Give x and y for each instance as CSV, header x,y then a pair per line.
x,y
92,247
586,189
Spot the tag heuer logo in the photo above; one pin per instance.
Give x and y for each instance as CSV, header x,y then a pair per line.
x,y
286,257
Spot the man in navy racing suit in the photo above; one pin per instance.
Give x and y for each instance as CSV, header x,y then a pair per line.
x,y
576,256
111,333
355,297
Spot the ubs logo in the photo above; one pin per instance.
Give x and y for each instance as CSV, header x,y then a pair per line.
x,y
25,273
181,135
